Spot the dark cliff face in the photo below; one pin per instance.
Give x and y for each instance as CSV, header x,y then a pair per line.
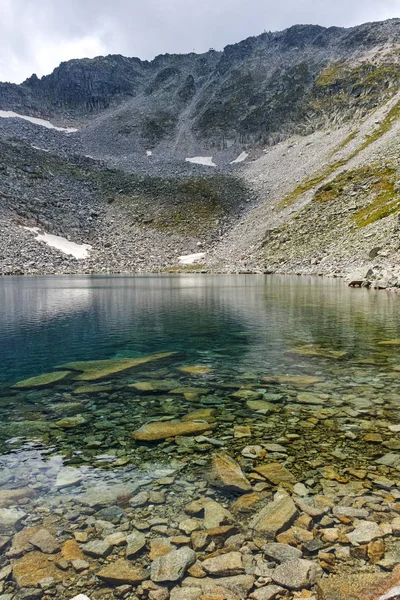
x,y
255,91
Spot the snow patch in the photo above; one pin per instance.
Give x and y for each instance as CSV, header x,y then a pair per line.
x,y
240,158
78,251
202,160
190,259
41,149
9,114
149,152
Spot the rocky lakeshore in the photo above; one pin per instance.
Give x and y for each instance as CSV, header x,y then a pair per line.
x,y
215,487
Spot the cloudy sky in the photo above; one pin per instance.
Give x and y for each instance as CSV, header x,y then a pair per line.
x,y
36,35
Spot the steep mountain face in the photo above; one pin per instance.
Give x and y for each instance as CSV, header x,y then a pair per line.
x,y
259,90
312,112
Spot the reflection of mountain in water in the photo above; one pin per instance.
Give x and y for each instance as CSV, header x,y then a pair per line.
x,y
249,319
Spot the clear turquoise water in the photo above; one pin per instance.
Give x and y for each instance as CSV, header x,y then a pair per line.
x,y
242,327
234,321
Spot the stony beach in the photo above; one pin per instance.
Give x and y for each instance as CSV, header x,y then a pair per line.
x,y
215,487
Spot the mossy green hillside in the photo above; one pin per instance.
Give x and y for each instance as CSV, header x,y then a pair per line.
x,y
345,88
374,182
308,184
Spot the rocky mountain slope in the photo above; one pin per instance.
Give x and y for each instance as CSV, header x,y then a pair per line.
x,y
293,148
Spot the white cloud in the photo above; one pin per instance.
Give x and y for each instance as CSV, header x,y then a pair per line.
x,y
49,55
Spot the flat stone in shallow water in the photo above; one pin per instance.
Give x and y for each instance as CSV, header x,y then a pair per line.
x,y
121,572
260,405
153,432
71,422
275,517
281,552
93,389
43,540
318,352
275,473
98,548
135,543
10,517
227,474
269,592
68,477
365,532
11,497
172,566
195,370
147,387
357,586
247,395
203,414
42,380
308,398
296,380
297,574
70,551
102,496
224,565
35,566
97,369
240,585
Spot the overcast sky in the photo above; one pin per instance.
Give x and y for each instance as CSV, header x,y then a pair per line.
x,y
36,35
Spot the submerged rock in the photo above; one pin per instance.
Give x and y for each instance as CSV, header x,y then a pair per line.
x,y
11,497
10,517
395,342
203,414
275,473
260,406
224,565
160,431
135,543
296,380
240,585
275,517
35,566
227,474
71,422
100,496
296,574
146,387
68,477
121,572
360,586
247,395
98,548
318,351
365,532
97,369
172,566
195,370
46,542
269,592
44,380
281,552
93,389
